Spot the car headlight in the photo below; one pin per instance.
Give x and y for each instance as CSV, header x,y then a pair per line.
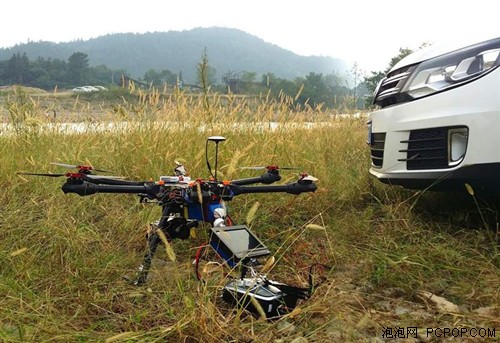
x,y
453,69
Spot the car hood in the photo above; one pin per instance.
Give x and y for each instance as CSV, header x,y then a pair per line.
x,y
439,49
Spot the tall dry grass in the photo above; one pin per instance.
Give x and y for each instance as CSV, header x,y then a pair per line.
x,y
63,256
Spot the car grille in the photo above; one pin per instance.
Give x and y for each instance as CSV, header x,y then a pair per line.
x,y
377,149
389,91
427,149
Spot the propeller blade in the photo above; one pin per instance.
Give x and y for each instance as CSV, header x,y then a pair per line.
x,y
43,174
104,177
65,165
253,168
271,167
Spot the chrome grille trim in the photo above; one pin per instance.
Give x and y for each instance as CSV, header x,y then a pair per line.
x,y
389,89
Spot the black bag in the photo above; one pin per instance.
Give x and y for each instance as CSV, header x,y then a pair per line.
x,y
259,295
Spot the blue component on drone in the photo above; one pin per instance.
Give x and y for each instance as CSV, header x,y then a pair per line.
x,y
196,211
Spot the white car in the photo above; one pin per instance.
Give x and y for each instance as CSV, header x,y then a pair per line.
x,y
439,120
79,90
87,89
90,89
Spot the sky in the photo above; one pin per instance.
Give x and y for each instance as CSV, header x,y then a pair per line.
x,y
362,32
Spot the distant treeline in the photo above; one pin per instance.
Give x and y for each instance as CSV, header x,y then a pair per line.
x,y
51,73
313,89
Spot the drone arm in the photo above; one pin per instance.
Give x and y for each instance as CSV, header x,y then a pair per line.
x,y
266,178
86,188
291,188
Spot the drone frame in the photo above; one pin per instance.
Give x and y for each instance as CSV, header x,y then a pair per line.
x,y
184,204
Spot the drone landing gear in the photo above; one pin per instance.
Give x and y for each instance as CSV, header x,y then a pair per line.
x,y
142,274
171,228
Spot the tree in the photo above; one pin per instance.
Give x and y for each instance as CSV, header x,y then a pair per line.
x,y
168,77
248,76
279,86
356,74
161,78
152,77
17,69
78,68
338,89
315,90
100,74
49,73
248,81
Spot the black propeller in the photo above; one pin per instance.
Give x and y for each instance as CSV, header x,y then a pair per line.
x,y
270,167
76,176
81,168
43,174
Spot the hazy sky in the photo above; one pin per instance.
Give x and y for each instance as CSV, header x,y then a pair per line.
x,y
362,31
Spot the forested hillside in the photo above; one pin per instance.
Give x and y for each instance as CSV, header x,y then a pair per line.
x,y
180,51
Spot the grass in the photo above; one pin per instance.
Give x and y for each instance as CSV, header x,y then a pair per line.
x,y
64,256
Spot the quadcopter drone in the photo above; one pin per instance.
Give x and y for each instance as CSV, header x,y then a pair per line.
x,y
184,201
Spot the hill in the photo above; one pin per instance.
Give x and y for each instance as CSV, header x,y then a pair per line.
x,y
228,50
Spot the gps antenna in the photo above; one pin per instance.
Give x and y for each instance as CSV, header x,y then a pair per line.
x,y
216,140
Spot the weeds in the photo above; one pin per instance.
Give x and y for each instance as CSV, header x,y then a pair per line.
x,y
63,256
